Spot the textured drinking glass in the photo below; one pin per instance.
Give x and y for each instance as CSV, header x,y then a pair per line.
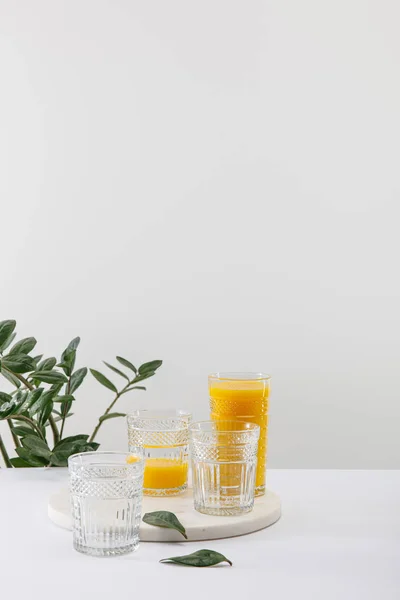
x,y
243,397
106,497
164,436
224,462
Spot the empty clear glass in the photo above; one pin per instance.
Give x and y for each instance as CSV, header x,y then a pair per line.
x,y
164,436
224,463
106,497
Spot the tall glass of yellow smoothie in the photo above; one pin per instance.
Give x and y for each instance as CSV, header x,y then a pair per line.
x,y
243,397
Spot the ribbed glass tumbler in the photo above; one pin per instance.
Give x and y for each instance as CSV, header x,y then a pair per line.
x,y
164,436
224,463
106,497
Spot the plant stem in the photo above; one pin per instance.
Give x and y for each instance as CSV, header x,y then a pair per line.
x,y
99,424
30,386
14,437
64,409
4,454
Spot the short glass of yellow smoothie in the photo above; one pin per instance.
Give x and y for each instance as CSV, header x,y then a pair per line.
x,y
243,397
164,436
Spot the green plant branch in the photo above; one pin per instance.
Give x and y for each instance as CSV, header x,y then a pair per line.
x,y
4,454
30,386
14,437
64,408
99,424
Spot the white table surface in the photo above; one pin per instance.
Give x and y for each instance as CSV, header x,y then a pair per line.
x,y
339,538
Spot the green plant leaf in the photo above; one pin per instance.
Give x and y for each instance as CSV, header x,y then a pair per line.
x,y
6,329
201,558
164,518
24,346
7,342
92,446
45,414
111,416
38,407
82,438
21,431
68,357
126,363
31,459
103,380
116,370
49,376
37,446
61,417
150,367
37,359
19,363
33,396
65,398
10,377
77,379
47,364
143,377
137,387
19,463
4,398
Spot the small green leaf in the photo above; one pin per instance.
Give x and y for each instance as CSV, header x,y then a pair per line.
x,y
137,387
37,359
23,346
111,416
65,398
47,364
7,342
10,377
19,463
41,403
60,417
77,379
103,380
126,363
201,558
4,398
19,363
37,446
150,367
146,375
164,518
21,431
45,414
49,376
81,438
6,329
33,461
116,370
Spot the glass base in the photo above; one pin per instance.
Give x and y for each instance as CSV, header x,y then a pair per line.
x,y
260,490
165,491
223,511
118,551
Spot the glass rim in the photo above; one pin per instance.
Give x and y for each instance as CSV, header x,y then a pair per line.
x,y
239,376
73,457
155,414
197,426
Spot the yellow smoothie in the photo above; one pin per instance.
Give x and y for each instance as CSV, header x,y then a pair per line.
x,y
244,400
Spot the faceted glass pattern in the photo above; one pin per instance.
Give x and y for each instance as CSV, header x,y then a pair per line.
x,y
163,434
106,499
224,462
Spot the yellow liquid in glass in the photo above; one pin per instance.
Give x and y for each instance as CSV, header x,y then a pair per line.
x,y
244,400
164,473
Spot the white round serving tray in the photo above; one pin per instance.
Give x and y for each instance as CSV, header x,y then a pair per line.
x,y
266,511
